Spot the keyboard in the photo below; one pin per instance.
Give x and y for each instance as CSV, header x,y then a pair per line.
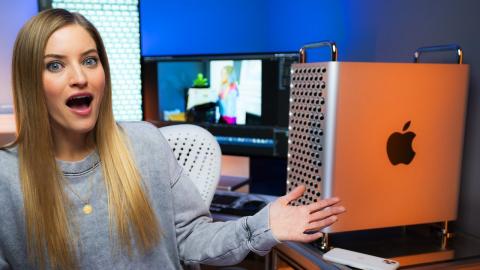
x,y
235,205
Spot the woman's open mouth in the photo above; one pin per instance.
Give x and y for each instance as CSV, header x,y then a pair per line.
x,y
80,104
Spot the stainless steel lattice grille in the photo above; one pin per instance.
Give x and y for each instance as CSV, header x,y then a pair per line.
x,y
306,129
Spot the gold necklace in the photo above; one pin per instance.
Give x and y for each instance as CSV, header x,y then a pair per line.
x,y
87,207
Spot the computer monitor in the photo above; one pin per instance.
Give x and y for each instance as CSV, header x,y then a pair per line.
x,y
242,99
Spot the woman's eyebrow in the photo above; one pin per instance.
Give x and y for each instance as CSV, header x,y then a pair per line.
x,y
53,55
90,51
59,56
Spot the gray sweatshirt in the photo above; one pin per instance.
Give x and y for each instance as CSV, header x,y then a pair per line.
x,y
188,233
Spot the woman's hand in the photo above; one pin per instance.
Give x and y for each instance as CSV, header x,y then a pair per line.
x,y
289,223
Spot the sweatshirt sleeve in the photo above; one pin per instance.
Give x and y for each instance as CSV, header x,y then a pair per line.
x,y
5,222
3,263
216,243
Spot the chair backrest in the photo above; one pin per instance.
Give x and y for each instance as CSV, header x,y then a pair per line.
x,y
198,152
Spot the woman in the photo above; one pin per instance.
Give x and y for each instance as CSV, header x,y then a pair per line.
x,y
79,191
227,96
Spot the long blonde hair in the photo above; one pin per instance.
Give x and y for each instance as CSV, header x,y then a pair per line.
x,y
46,205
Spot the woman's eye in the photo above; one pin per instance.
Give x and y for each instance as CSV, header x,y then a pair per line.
x,y
90,61
54,66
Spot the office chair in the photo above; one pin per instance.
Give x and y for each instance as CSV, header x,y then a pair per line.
x,y
198,152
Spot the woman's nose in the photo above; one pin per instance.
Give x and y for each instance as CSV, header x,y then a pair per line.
x,y
78,77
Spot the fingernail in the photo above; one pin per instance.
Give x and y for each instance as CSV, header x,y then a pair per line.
x,y
342,208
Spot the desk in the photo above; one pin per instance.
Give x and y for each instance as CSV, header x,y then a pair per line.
x,y
232,183
295,256
418,247
415,247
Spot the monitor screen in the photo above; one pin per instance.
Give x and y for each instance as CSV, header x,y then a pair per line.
x,y
220,91
241,99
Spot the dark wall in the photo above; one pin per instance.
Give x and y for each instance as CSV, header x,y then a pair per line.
x,y
378,30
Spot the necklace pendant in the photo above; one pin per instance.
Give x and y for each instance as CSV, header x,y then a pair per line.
x,y
87,209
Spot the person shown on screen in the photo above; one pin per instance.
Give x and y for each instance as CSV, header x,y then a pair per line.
x,y
227,96
80,191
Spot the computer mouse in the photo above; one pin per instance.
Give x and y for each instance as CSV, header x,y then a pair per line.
x,y
254,205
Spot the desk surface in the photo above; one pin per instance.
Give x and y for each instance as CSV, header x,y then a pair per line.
x,y
415,247
310,258
232,183
418,247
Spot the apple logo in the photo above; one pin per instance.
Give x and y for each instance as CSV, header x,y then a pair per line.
x,y
399,146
